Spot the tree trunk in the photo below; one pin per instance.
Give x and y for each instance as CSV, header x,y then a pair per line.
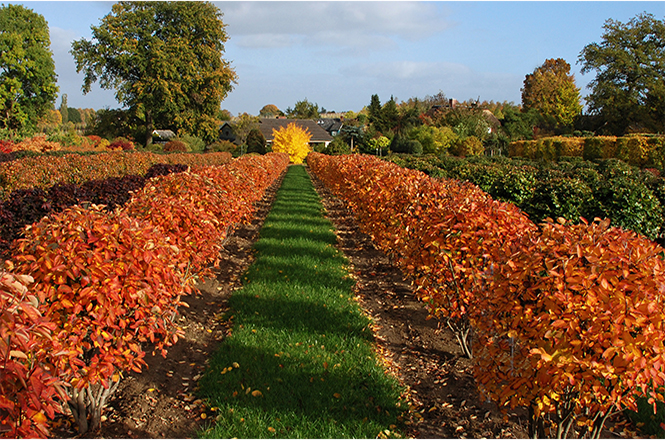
x,y
148,128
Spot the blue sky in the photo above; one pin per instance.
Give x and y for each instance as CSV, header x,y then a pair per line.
x,y
337,54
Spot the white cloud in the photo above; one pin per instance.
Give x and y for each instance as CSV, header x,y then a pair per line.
x,y
409,70
265,40
343,24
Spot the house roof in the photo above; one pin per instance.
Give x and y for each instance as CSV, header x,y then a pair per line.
x,y
330,124
164,134
266,126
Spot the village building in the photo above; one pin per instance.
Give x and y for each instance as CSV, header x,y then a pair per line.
x,y
226,132
331,125
162,136
319,135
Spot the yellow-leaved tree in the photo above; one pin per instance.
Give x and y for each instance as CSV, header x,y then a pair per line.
x,y
293,140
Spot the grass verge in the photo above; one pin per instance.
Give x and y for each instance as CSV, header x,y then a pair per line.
x,y
300,362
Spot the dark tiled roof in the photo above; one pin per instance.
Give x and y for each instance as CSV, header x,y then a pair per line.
x,y
266,126
330,124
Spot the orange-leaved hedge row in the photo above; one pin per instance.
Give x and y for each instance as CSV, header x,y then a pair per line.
x,y
46,171
567,320
196,209
106,284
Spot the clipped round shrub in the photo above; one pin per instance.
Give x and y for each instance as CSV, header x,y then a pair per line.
x,y
121,143
176,146
406,146
256,143
193,143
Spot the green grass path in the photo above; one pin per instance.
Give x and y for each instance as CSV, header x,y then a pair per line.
x,y
299,363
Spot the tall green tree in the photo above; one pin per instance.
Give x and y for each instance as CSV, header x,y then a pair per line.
x,y
27,70
64,110
551,91
164,59
389,116
304,110
628,91
374,112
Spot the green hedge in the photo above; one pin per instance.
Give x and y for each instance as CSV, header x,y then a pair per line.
x,y
637,150
631,197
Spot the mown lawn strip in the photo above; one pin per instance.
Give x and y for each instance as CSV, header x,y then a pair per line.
x,y
300,362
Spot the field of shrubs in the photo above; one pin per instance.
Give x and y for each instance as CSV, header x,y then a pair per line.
x,y
113,241
564,319
562,316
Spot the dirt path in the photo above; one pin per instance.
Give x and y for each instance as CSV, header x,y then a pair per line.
x,y
161,402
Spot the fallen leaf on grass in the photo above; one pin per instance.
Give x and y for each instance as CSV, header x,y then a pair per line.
x,y
257,393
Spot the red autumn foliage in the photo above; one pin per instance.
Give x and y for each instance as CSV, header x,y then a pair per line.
x,y
196,209
584,305
121,143
45,171
6,146
108,284
567,319
29,389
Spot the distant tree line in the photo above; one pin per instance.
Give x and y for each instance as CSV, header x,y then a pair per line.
x,y
165,62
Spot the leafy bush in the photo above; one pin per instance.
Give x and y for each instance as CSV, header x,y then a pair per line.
x,y
196,145
599,147
97,142
631,205
107,281
337,146
121,143
404,145
633,150
434,140
176,146
256,143
516,184
162,169
559,196
469,146
30,392
223,147
6,146
38,144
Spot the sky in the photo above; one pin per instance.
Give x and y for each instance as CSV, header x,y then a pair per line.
x,y
338,54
